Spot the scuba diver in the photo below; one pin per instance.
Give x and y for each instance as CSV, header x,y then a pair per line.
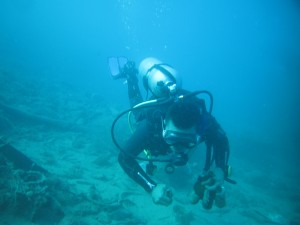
x,y
169,126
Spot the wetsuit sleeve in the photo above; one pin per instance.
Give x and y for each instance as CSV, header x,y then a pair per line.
x,y
217,147
130,73
221,149
134,93
134,146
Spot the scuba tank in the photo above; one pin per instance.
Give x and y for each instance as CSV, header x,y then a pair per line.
x,y
159,78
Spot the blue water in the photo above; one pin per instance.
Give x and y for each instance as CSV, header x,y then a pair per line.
x,y
247,53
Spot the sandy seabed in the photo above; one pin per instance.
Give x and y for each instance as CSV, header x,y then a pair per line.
x,y
66,132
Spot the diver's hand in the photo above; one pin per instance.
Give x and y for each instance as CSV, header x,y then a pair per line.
x,y
215,181
162,195
130,71
214,191
206,187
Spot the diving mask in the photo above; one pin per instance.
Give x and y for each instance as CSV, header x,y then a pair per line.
x,y
187,140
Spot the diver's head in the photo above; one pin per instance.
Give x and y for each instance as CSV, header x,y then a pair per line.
x,y
180,126
159,78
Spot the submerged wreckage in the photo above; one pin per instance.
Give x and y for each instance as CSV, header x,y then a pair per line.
x,y
26,189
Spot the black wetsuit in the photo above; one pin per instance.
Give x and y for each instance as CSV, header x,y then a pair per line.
x,y
148,135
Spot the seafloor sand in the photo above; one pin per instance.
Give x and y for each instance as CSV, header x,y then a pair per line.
x,y
67,132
